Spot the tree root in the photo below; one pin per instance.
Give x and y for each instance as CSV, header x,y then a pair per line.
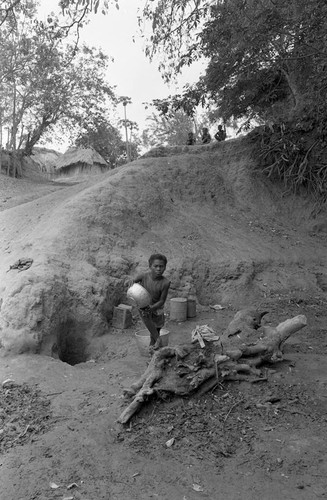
x,y
219,361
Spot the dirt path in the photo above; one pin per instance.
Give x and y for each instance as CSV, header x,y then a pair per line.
x,y
25,204
232,443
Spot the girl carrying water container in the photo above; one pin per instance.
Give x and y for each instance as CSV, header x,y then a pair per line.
x,y
157,285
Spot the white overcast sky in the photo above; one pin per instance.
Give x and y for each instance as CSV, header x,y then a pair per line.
x,y
131,71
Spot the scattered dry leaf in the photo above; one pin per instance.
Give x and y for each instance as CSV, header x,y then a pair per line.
x,y
170,442
72,485
197,487
53,486
217,307
8,383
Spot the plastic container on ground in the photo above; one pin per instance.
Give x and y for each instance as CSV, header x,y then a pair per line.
x,y
191,308
143,340
178,309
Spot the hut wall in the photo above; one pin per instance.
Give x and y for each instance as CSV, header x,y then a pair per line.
x,y
81,169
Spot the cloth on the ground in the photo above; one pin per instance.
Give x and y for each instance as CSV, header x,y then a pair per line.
x,y
204,332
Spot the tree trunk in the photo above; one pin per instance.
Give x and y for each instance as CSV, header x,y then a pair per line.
x,y
299,63
13,133
297,82
0,139
35,136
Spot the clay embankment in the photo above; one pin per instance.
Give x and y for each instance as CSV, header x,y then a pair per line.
x,y
228,234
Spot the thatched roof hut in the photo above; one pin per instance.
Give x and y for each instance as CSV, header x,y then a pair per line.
x,y
80,161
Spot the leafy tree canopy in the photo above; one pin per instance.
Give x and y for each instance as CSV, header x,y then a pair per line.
x,y
46,78
77,10
258,52
87,5
166,130
171,128
266,62
100,134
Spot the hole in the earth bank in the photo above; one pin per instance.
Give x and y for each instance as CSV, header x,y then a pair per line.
x,y
72,344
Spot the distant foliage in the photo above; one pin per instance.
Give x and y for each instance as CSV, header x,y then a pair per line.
x,y
258,53
104,138
167,130
267,63
46,78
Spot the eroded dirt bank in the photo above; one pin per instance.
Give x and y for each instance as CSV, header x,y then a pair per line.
x,y
224,230
230,239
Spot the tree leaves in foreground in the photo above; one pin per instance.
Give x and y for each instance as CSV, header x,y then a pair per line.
x,y
258,52
74,91
267,62
87,5
77,10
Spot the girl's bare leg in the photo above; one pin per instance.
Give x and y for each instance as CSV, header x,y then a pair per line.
x,y
154,334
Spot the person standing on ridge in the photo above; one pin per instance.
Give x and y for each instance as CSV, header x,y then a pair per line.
x,y
191,139
220,135
206,137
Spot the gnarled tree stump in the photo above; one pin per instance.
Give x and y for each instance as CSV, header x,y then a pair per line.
x,y
182,370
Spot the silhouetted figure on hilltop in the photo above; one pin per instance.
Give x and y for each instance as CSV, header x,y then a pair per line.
x,y
206,137
191,139
220,135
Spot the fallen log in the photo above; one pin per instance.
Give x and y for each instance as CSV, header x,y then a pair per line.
x,y
182,370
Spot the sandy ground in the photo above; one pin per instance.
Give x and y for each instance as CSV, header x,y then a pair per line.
x,y
59,436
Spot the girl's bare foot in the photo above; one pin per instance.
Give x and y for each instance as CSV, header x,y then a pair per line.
x,y
157,345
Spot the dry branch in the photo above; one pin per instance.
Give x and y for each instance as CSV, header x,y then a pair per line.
x,y
182,370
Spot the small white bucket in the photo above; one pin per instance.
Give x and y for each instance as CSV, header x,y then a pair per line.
x,y
143,340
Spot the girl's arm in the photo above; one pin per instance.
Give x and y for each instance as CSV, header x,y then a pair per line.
x,y
130,280
138,278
